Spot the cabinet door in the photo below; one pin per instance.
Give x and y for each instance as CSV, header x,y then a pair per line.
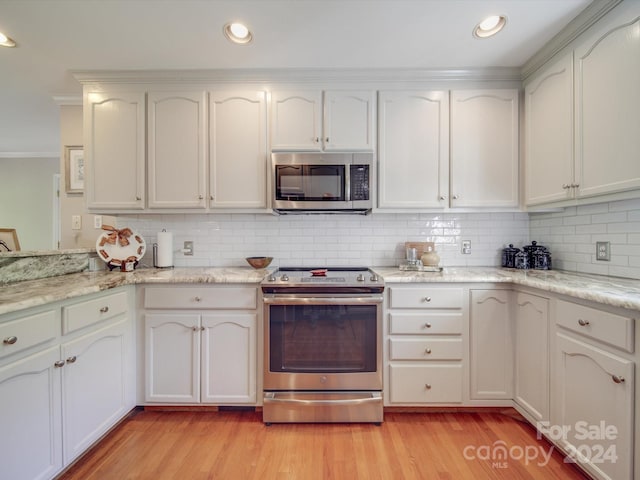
x,y
593,403
238,151
177,148
607,68
532,355
172,358
348,120
114,136
484,148
31,417
491,345
549,133
296,120
95,386
229,358
413,149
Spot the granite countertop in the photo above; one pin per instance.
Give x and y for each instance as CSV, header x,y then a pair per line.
x,y
617,292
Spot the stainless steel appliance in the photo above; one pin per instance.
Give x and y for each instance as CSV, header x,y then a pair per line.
x,y
322,346
322,182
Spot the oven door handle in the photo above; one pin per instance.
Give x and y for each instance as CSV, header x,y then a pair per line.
x,y
321,300
371,397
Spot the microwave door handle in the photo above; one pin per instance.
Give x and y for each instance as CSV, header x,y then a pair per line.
x,y
347,183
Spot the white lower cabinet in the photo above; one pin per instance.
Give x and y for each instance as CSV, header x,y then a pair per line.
x,y
94,386
31,417
531,322
491,337
425,345
60,393
202,355
593,389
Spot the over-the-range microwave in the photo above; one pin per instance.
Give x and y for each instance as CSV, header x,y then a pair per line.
x,y
316,182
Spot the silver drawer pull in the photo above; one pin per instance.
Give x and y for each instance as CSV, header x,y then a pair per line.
x,y
617,379
427,386
10,340
583,323
427,325
72,359
427,351
104,309
59,364
427,299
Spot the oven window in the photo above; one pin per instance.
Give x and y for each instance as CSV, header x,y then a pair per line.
x,y
310,182
322,338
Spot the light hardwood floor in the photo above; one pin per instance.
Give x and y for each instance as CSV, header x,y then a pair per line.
x,y
237,445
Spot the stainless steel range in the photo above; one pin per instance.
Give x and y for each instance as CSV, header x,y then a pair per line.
x,y
323,346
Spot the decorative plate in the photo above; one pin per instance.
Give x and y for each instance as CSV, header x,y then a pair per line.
x,y
116,247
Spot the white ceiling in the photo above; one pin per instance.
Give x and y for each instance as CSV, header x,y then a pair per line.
x,y
55,37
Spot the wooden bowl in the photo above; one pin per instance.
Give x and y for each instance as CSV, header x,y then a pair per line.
x,y
259,262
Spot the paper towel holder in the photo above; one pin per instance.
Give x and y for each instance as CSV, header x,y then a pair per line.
x,y
155,255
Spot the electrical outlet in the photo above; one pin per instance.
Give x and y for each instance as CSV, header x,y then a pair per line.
x,y
188,248
97,221
603,251
76,222
466,247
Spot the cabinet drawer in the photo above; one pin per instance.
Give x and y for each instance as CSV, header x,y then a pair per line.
x,y
201,298
83,314
425,323
425,349
425,383
28,331
425,297
603,326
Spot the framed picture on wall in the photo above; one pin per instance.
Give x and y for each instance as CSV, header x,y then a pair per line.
x,y
9,240
74,168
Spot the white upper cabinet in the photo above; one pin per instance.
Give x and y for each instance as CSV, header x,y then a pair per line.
x,y
607,104
238,149
549,133
413,150
484,148
114,144
312,121
177,140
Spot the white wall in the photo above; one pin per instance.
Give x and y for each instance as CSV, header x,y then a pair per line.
x,y
26,193
571,236
334,240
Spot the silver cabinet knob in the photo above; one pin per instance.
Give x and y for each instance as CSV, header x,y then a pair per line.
x,y
566,186
427,299
617,379
456,197
59,364
442,197
427,386
316,139
72,359
326,140
138,198
197,299
427,351
575,185
10,340
211,197
200,197
583,323
427,325
104,309
195,329
202,329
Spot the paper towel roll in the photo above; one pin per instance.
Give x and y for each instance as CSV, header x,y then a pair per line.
x,y
165,250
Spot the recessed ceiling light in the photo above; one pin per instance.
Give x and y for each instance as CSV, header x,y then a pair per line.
x,y
490,26
6,41
238,33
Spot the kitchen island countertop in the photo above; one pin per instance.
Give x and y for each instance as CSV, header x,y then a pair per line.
x,y
616,292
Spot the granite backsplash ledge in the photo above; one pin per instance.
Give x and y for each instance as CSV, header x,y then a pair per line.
x,y
21,266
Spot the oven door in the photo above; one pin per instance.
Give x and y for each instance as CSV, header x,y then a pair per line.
x,y
323,342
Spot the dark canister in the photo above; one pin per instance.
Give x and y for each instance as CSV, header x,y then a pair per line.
x,y
509,256
542,260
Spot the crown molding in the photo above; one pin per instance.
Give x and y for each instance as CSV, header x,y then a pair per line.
x,y
306,75
590,15
29,154
68,99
